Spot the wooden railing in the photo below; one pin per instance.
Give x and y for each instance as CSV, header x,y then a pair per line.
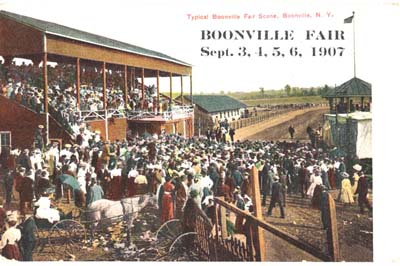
x,y
215,244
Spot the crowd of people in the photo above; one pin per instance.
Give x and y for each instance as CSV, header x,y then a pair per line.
x,y
24,84
175,169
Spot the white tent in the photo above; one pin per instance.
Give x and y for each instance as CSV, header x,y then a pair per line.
x,y
350,132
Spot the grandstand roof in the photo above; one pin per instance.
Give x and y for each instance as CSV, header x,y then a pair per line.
x,y
216,103
355,87
75,35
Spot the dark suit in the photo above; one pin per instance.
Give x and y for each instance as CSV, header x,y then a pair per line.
x,y
26,194
362,191
28,239
276,197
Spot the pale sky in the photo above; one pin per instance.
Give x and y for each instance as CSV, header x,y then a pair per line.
x,y
164,26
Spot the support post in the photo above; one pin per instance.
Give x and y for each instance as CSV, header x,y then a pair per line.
x,y
158,91
45,95
78,84
134,78
332,232
105,100
256,198
142,100
182,90
362,103
224,231
170,89
104,86
216,213
126,85
191,89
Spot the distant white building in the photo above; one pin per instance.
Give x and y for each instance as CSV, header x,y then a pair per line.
x,y
211,109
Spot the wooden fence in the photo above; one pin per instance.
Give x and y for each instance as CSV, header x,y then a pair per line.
x,y
214,243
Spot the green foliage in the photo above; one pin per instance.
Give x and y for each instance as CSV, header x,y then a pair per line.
x,y
284,100
287,91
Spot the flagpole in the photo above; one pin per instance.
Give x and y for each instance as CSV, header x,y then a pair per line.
x,y
354,43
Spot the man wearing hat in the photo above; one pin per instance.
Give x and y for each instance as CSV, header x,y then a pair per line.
x,y
276,197
43,183
26,191
245,187
106,153
95,191
182,190
196,191
38,139
357,169
238,177
8,185
115,188
24,160
140,183
155,178
362,191
28,231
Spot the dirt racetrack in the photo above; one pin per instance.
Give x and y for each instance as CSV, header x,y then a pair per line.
x,y
355,230
277,127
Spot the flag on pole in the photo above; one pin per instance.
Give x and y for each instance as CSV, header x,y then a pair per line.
x,y
349,19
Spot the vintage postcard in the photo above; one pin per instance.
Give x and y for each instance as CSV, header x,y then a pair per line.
x,y
212,131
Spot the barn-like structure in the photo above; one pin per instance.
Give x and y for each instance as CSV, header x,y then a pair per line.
x,y
45,42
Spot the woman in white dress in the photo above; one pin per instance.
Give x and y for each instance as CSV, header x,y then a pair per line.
x,y
315,179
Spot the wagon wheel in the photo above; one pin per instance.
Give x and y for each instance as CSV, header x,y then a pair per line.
x,y
66,238
183,244
168,232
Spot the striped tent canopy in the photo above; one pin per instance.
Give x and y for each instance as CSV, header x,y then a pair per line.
x,y
355,87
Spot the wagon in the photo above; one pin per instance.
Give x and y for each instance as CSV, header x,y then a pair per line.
x,y
175,242
61,239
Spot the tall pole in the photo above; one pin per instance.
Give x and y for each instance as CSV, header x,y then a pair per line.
x,y
78,84
354,43
126,85
105,100
191,89
45,95
142,101
182,90
170,88
158,91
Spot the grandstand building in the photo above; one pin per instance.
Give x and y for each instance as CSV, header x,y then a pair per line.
x,y
96,81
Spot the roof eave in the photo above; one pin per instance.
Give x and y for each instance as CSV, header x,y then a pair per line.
x,y
119,49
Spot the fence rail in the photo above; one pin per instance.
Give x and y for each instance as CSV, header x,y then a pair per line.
x,y
176,113
215,244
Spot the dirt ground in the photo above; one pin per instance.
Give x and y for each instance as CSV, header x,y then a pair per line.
x,y
277,128
355,230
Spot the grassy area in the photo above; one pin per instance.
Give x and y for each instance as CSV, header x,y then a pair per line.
x,y
254,98
283,100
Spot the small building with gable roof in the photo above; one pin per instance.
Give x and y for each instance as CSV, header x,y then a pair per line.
x,y
210,110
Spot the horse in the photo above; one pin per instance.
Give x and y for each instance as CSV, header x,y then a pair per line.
x,y
104,210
